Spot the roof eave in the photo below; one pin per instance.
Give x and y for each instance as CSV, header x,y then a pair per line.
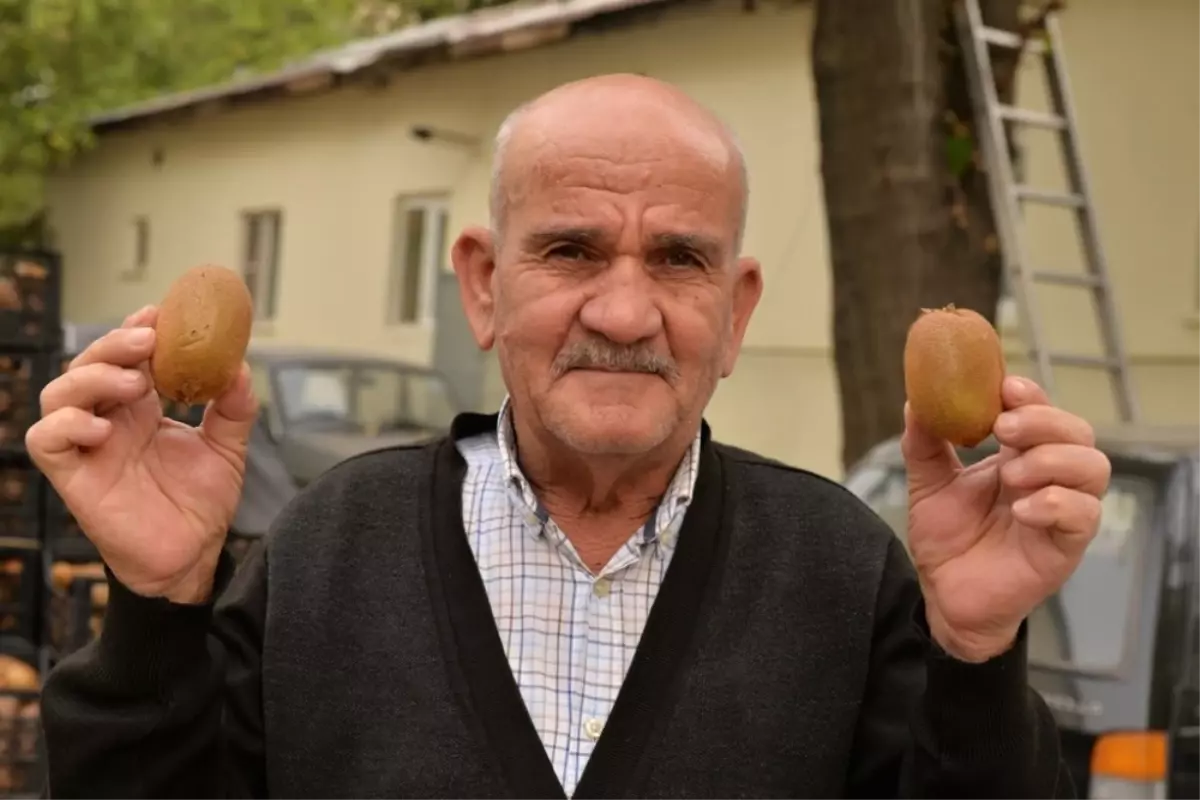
x,y
492,31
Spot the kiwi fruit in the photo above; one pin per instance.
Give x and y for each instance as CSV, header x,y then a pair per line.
x,y
202,333
953,372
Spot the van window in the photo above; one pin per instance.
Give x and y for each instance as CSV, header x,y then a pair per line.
x,y
1086,626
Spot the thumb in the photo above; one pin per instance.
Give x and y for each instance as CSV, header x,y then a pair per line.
x,y
930,461
229,419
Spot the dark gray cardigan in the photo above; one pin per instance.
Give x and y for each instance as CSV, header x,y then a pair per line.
x,y
356,656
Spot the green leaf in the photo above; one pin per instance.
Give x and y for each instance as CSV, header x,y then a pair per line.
x,y
960,151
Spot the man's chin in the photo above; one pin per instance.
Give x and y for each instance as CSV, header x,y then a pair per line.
x,y
616,429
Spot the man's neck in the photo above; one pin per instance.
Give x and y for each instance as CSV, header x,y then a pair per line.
x,y
597,485
579,486
597,501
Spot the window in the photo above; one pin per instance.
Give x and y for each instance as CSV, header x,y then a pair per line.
x,y
140,261
1196,277
261,265
418,253
374,398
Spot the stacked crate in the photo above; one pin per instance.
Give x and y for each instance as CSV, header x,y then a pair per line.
x,y
30,343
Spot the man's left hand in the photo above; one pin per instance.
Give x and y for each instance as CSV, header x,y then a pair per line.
x,y
993,540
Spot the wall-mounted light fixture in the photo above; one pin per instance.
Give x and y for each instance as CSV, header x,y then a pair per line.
x,y
428,133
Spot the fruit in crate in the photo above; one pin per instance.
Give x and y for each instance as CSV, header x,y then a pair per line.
x,y
10,298
18,676
203,330
18,722
953,371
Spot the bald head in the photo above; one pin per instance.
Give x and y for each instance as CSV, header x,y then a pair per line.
x,y
625,111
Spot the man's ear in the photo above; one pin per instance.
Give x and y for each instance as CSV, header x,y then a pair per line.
x,y
747,289
474,258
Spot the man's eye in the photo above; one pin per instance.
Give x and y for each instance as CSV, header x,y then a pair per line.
x,y
569,252
683,258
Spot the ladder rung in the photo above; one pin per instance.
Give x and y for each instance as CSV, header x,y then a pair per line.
x,y
1067,278
1095,362
1002,38
1037,119
1032,195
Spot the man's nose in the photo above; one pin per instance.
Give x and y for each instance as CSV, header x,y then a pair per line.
x,y
623,308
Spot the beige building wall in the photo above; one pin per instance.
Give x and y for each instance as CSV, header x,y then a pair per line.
x,y
335,163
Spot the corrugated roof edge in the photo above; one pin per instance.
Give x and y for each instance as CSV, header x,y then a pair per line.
x,y
462,35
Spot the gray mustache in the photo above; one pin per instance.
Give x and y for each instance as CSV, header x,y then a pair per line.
x,y
601,354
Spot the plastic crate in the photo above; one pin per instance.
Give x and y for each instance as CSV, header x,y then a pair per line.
x,y
22,378
22,766
22,761
30,300
20,500
20,593
63,539
78,595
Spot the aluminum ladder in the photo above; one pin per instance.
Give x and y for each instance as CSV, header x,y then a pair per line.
x,y
1009,196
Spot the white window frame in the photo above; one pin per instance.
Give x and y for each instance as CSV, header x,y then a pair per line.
x,y
1196,278
139,264
432,256
266,264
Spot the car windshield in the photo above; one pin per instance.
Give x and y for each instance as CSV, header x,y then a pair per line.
x,y
368,398
1086,625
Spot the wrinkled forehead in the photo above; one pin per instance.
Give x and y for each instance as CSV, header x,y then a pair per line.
x,y
643,156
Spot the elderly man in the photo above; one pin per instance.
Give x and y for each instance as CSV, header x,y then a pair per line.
x,y
583,595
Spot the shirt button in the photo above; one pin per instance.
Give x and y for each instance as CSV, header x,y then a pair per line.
x,y
601,588
592,728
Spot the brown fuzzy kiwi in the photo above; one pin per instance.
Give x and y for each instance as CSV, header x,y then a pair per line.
x,y
953,372
202,333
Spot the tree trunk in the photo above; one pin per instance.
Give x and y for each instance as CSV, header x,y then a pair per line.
x,y
909,219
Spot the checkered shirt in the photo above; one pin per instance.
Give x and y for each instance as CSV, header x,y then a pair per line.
x,y
569,634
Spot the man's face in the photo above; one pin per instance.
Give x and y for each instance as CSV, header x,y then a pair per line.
x,y
619,300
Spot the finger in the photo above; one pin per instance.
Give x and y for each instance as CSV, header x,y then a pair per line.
x,y
1017,391
929,460
1029,426
229,419
1073,514
144,317
1071,465
125,347
92,385
54,441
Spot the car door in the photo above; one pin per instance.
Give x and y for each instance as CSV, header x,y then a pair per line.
x,y
1091,646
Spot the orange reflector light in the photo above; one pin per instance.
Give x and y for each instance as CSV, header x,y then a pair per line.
x,y
1131,756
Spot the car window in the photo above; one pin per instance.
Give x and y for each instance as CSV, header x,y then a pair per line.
x,y
1086,625
306,393
260,383
371,398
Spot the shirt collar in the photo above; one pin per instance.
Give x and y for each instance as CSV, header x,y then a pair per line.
x,y
670,507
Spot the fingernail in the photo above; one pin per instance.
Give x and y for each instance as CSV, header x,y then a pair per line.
x,y
131,378
141,336
99,424
1021,506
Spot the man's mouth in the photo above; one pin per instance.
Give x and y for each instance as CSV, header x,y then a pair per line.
x,y
615,370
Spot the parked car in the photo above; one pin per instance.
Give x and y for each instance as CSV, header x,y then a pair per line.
x,y
324,406
318,407
1114,653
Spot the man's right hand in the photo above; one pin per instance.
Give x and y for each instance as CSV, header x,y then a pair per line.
x,y
155,496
